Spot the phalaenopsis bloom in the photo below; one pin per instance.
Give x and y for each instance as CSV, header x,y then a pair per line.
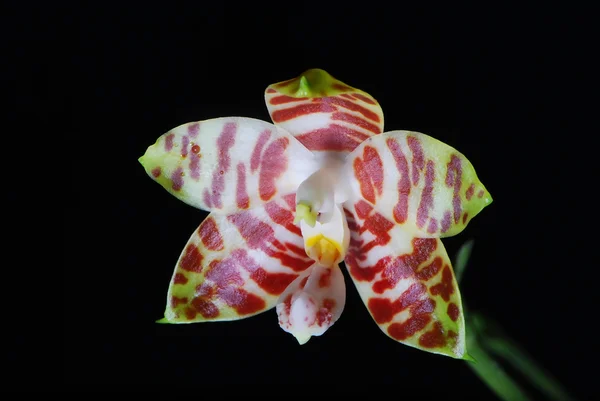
x,y
323,184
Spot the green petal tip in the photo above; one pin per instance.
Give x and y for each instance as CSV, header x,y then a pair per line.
x,y
164,320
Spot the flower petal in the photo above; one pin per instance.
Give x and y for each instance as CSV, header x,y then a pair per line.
x,y
236,266
324,113
407,283
313,302
228,164
428,187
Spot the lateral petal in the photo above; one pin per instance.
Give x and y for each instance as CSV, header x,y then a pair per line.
x,y
236,266
228,164
418,182
407,283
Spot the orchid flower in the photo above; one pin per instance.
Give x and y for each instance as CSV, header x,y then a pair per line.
x,y
323,184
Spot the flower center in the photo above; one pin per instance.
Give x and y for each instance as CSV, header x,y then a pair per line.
x,y
324,250
319,212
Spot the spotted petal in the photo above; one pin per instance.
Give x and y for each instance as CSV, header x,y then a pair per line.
x,y
416,181
313,302
228,164
324,113
237,266
407,283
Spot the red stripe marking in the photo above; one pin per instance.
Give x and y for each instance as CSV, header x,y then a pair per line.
x,y
470,191
272,283
298,250
352,119
185,143
333,138
177,300
362,209
224,144
426,202
225,274
341,87
273,164
401,208
446,287
180,278
177,179
241,194
192,259
453,311
434,338
418,160
433,225
369,173
271,90
282,99
193,130
210,235
256,152
195,163
454,179
406,265
260,235
290,200
206,308
446,221
282,217
364,98
427,272
384,310
338,101
290,113
169,142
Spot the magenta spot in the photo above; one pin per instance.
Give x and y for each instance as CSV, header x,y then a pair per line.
x,y
206,198
255,158
401,208
156,172
453,179
418,161
480,193
446,221
224,143
426,196
470,190
241,193
433,225
185,143
169,142
177,179
193,130
195,165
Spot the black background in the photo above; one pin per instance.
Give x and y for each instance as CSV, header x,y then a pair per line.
x,y
490,82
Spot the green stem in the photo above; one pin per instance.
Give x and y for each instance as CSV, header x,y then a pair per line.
x,y
521,361
492,374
